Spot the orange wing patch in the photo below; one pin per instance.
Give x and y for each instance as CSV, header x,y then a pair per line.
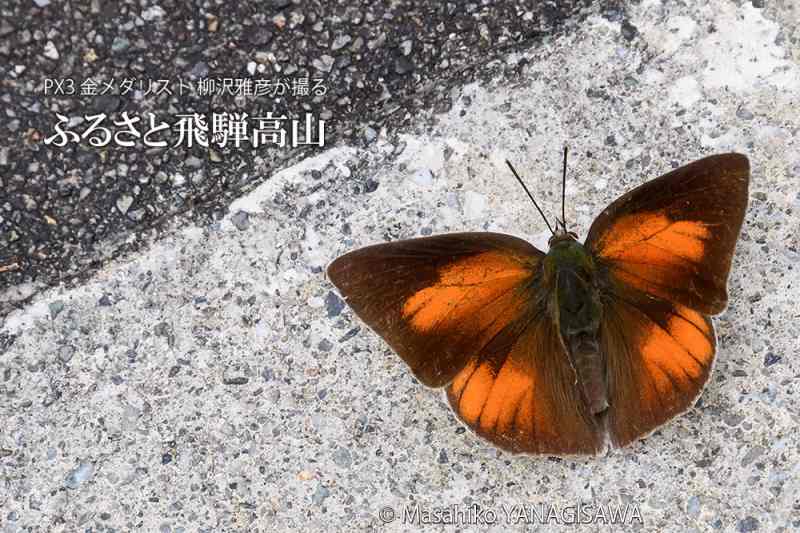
x,y
502,408
491,401
670,357
676,354
439,301
653,238
693,332
512,402
463,289
498,404
653,253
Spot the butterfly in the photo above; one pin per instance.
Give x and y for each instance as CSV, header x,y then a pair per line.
x,y
578,350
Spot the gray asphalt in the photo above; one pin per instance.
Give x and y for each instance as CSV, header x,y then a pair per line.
x,y
65,211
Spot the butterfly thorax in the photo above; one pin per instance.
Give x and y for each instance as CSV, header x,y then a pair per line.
x,y
574,304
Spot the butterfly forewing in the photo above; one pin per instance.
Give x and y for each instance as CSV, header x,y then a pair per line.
x,y
438,301
674,236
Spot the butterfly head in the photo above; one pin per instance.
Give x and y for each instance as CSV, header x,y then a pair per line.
x,y
562,236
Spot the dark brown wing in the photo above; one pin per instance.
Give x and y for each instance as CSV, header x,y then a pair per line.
x,y
659,356
519,392
664,251
466,309
439,300
674,236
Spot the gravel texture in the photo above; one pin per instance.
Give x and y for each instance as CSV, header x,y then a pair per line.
x,y
216,381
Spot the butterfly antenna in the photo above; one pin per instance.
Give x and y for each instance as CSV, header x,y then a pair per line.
x,y
530,196
564,191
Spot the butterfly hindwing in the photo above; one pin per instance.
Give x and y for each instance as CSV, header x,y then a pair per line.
x,y
659,357
664,251
519,393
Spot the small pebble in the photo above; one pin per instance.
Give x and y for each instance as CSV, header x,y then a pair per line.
x,y
403,65
333,304
350,334
320,494
370,185
234,380
80,475
212,23
474,204
752,454
342,457
50,51
194,162
152,13
241,219
124,203
628,30
324,63
340,42
120,44
693,506
55,308
423,177
733,419
744,114
442,459
750,523
65,353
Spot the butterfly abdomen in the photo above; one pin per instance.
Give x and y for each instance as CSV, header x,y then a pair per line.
x,y
576,309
